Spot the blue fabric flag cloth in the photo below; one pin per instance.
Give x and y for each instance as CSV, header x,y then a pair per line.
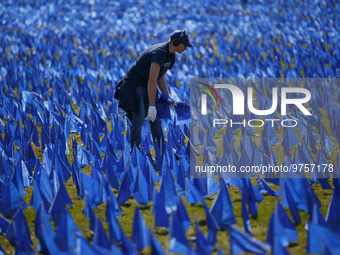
x,y
156,247
140,232
240,242
178,242
162,107
183,113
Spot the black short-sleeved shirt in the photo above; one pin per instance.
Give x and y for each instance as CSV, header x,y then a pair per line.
x,y
138,76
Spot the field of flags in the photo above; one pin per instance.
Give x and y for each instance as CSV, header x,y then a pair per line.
x,y
68,183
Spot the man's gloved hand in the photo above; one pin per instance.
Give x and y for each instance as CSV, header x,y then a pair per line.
x,y
152,113
173,101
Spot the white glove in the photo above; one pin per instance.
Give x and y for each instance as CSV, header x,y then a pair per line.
x,y
152,112
173,101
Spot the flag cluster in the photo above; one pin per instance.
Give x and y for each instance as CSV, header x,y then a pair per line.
x,y
59,64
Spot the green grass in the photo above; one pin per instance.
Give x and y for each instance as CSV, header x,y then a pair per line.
x,y
259,224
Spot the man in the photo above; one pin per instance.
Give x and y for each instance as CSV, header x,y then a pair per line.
x,y
136,92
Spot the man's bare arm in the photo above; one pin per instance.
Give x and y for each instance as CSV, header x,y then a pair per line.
x,y
162,85
152,83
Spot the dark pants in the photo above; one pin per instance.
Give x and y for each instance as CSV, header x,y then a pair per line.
x,y
138,121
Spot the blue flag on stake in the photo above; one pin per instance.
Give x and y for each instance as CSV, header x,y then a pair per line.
x,y
333,216
114,229
82,246
156,247
126,245
158,209
212,224
19,221
38,197
140,233
59,203
289,140
89,212
108,166
315,217
11,200
202,245
178,242
289,229
64,236
45,185
264,188
319,236
240,242
245,216
4,223
126,186
17,181
45,232
100,240
113,205
276,229
143,190
182,214
22,245
167,191
292,205
222,208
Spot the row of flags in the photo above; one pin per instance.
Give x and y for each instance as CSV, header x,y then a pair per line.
x,y
59,50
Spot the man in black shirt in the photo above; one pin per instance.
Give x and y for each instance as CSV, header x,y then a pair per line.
x,y
136,92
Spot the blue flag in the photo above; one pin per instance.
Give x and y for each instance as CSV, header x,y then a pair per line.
x,y
158,209
183,113
202,245
289,229
280,228
11,200
212,224
143,188
333,217
22,245
59,203
126,245
99,238
89,212
167,191
292,205
140,233
240,242
319,237
222,208
182,214
114,229
18,221
64,236
4,223
38,197
126,186
245,216
193,195
109,165
112,204
45,232
178,242
156,247
82,246
264,188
